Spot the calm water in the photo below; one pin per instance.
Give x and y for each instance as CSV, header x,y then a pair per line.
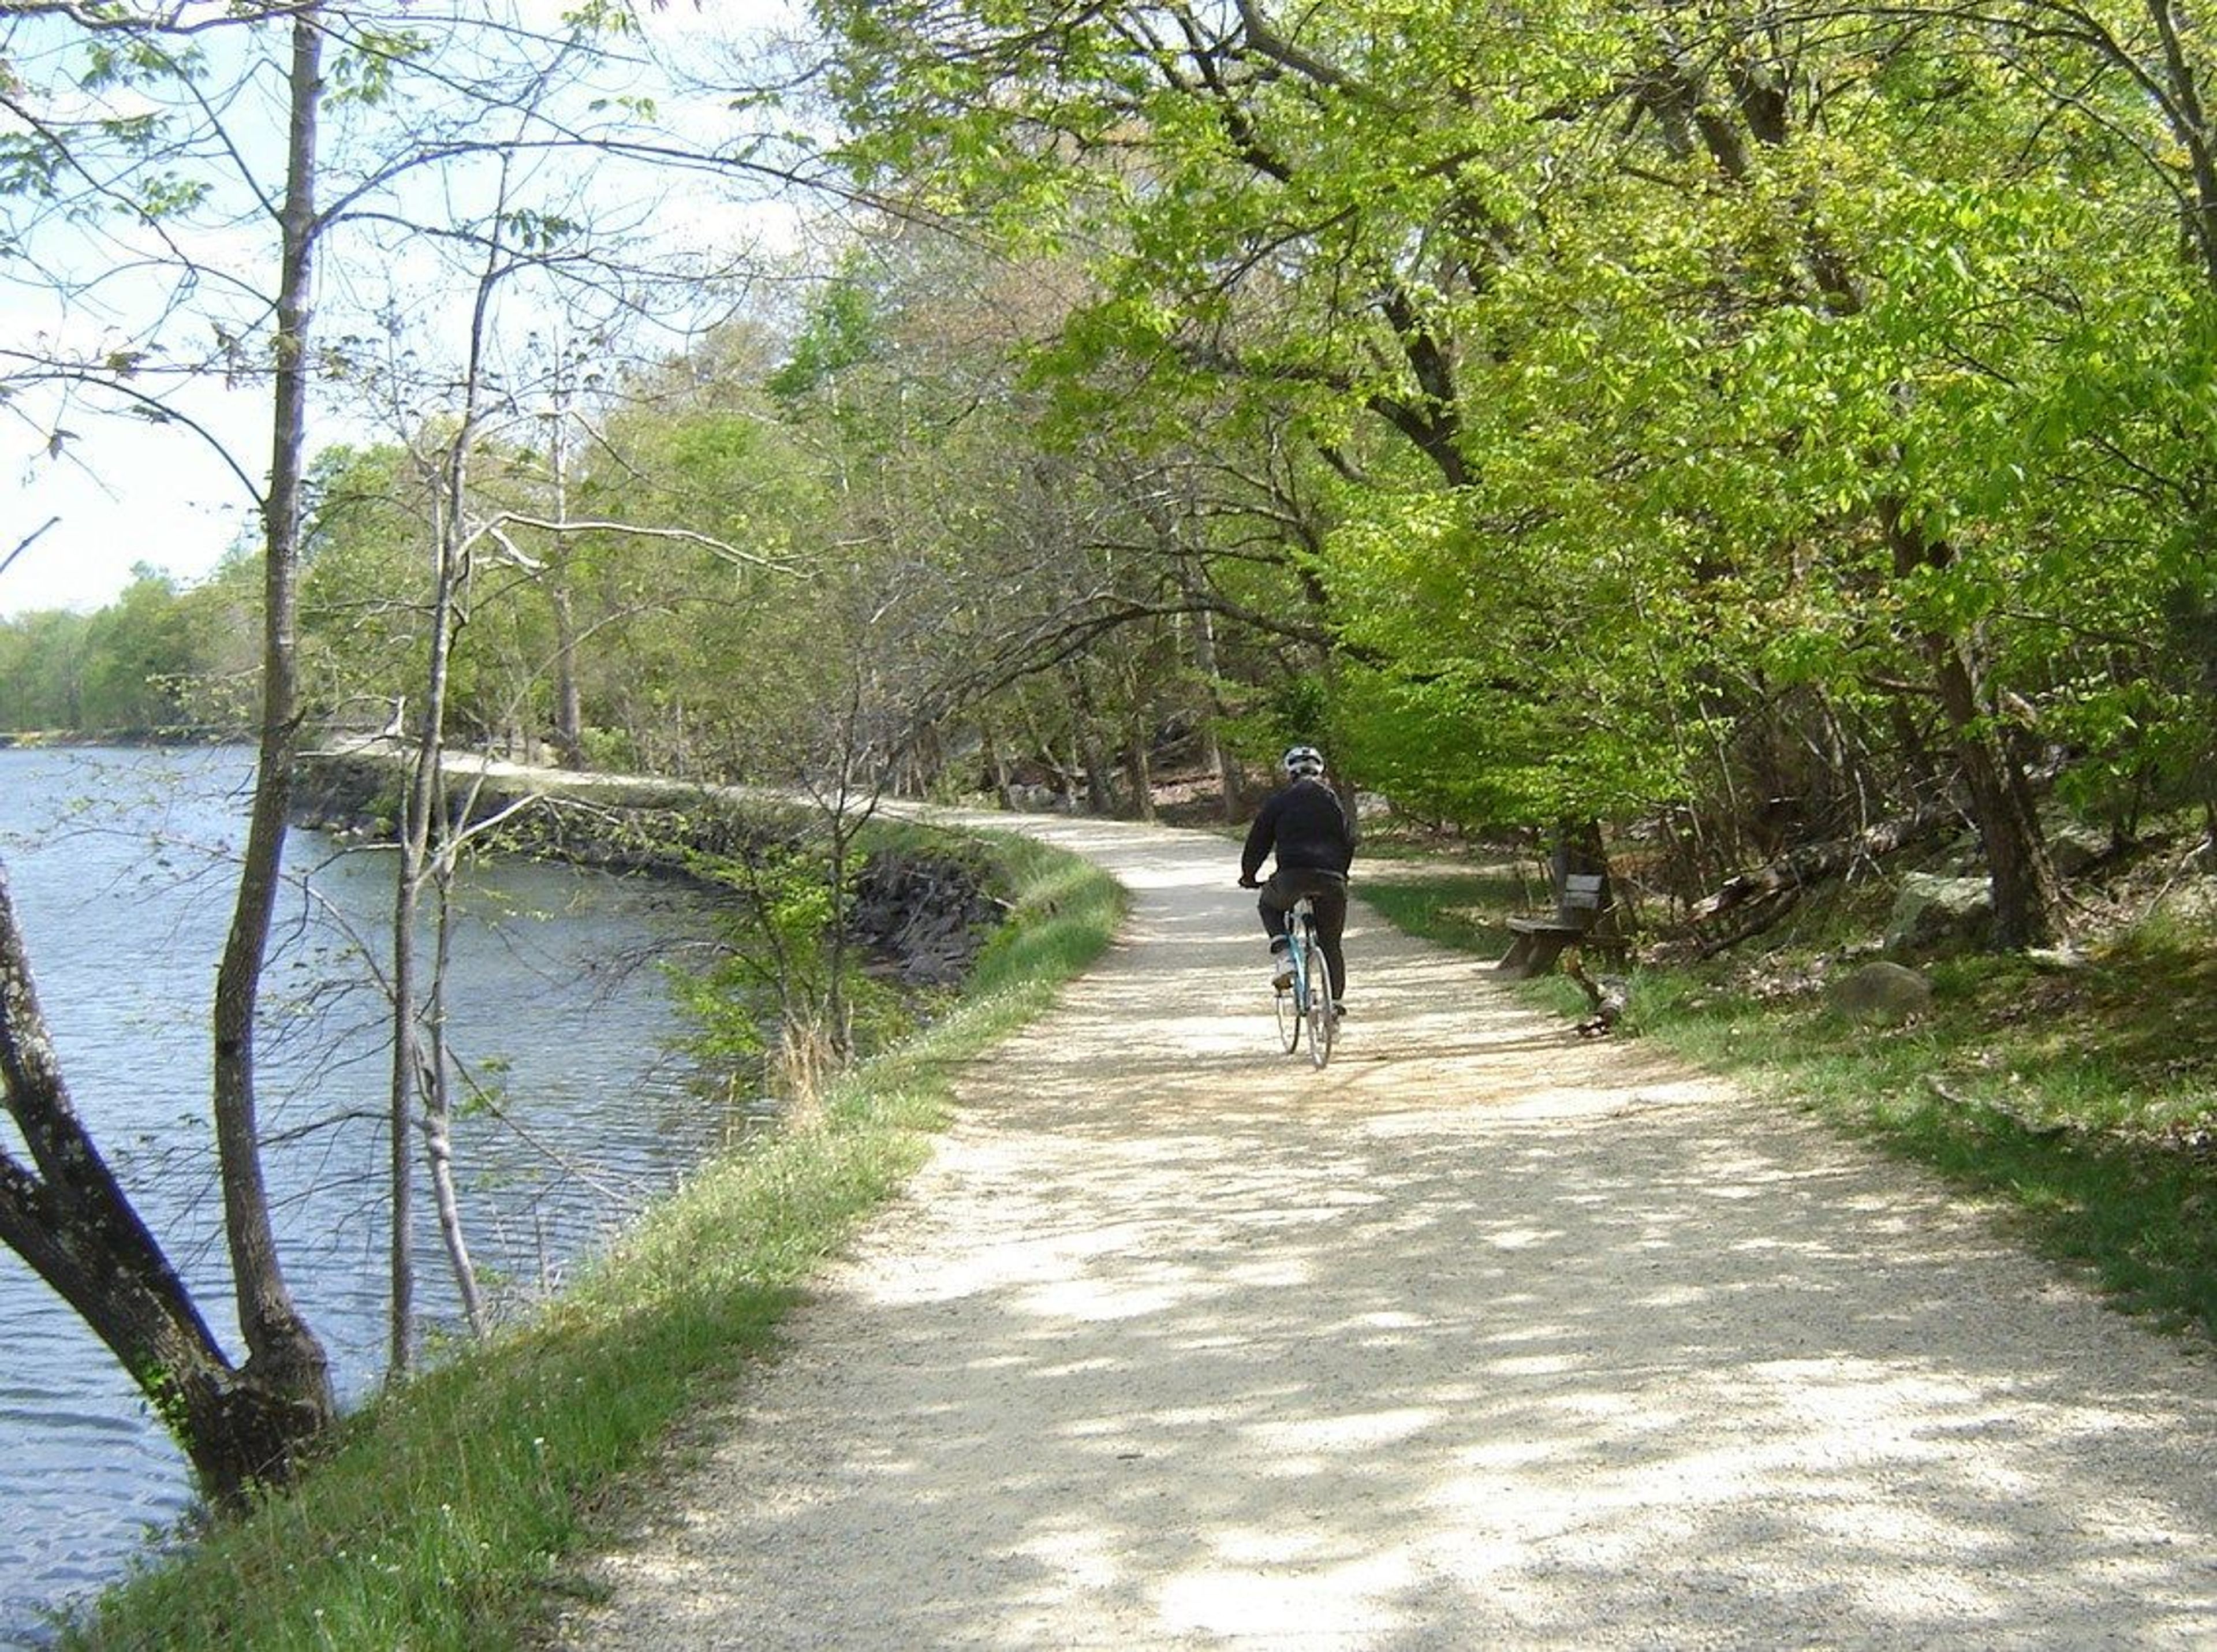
x,y
118,863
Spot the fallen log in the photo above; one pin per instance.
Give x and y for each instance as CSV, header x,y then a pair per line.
x,y
1814,863
1763,914
1607,1000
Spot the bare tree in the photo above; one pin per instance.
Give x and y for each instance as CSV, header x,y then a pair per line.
x,y
65,1213
129,195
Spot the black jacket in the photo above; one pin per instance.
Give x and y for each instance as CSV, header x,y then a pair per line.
x,y
1306,825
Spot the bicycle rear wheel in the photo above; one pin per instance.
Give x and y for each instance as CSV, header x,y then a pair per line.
x,y
1289,1017
1323,1024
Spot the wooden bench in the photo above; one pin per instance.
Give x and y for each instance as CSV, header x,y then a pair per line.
x,y
1539,941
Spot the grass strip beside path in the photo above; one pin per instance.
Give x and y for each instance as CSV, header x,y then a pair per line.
x,y
447,1516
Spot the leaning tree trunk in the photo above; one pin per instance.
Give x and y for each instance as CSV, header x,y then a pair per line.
x,y
284,1398
1812,864
66,1214
439,1117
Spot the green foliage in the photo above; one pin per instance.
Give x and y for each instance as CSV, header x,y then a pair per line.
x,y
1723,423
787,983
126,60
157,659
365,573
364,72
1585,413
841,331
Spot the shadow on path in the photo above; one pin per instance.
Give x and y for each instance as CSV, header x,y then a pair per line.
x,y
1482,1337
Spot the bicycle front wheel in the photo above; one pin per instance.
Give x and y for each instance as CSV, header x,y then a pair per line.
x,y
1323,1024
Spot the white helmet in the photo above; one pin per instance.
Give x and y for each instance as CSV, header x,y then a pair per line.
x,y
1302,762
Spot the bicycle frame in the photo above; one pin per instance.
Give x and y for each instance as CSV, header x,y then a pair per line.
x,y
1300,935
1309,1011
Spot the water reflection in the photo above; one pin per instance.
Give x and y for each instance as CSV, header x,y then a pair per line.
x,y
120,864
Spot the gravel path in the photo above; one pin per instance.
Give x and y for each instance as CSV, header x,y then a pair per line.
x,y
1486,1337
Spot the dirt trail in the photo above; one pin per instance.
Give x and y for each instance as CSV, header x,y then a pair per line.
x,y
1484,1337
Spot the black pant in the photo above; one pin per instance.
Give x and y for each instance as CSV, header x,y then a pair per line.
x,y
1327,893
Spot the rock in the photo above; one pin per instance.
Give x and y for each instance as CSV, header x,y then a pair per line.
x,y
2074,847
1881,995
1933,913
927,914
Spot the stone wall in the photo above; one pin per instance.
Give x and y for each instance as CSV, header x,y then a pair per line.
x,y
921,914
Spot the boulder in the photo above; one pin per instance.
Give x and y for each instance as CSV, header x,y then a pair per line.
x,y
2073,847
1932,913
1881,995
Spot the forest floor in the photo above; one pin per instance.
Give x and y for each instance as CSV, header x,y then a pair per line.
x,y
1484,1336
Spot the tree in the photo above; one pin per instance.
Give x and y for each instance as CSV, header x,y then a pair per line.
x,y
1706,389
1135,570
135,131
141,658
42,670
64,1214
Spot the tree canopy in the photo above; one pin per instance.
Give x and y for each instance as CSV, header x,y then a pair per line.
x,y
1722,428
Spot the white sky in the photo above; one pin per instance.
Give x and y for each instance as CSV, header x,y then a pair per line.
x,y
132,495
125,493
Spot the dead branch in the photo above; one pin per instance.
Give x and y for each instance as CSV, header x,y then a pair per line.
x,y
25,543
1765,915
1606,999
1814,863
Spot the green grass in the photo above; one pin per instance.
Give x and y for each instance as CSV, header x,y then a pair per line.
x,y
450,1514
1466,911
2082,1103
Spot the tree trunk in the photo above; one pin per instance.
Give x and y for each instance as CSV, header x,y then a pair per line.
x,y
428,843
996,765
67,1216
1138,774
1814,863
2026,894
1085,736
1578,848
288,1399
1221,768
400,1242
569,709
65,1213
439,1118
568,703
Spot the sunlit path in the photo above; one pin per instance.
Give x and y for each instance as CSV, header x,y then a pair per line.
x,y
1486,1336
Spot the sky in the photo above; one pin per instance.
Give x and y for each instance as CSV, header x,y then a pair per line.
x,y
128,495
122,492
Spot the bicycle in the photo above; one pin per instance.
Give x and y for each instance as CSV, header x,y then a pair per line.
x,y
1306,1004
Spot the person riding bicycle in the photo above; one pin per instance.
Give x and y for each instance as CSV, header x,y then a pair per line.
x,y
1305,824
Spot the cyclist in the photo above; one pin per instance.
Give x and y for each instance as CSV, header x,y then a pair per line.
x,y
1314,839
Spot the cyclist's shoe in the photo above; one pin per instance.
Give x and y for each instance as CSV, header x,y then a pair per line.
x,y
1339,1012
1281,967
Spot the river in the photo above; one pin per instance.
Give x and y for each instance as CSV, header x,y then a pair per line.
x,y
120,867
